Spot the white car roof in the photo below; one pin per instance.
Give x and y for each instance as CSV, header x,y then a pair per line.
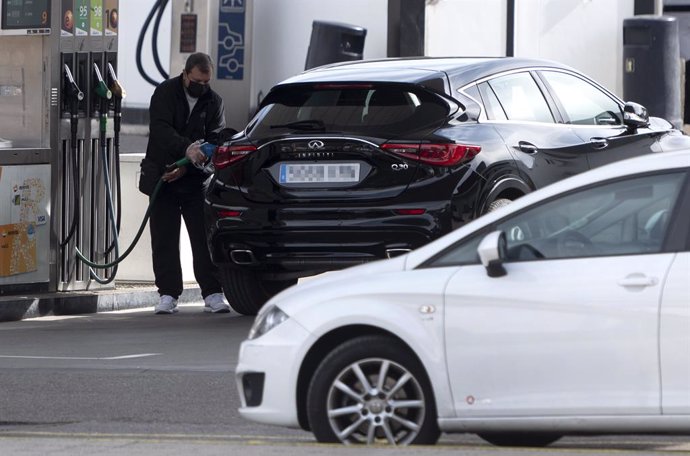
x,y
638,165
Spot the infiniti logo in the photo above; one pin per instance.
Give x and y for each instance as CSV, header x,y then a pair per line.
x,y
315,144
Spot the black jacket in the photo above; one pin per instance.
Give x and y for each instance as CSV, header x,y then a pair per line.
x,y
172,130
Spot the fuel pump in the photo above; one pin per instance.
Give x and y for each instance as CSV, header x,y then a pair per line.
x,y
118,93
103,94
74,95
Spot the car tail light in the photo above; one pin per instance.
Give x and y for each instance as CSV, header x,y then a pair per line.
x,y
225,213
227,155
410,211
435,154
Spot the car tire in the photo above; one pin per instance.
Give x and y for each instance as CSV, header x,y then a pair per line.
x,y
497,204
520,439
247,291
372,405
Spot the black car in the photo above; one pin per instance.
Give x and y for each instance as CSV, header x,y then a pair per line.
x,y
361,161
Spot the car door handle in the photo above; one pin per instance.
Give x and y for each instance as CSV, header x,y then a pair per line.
x,y
638,280
526,147
599,143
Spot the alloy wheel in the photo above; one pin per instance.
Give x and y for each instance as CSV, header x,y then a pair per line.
x,y
376,401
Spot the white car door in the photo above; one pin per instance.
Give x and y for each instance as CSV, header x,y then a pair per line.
x,y
555,337
573,327
675,338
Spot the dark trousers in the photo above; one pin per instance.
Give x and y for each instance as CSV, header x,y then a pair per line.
x,y
165,221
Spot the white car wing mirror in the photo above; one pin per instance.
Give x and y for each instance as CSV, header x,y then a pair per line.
x,y
492,253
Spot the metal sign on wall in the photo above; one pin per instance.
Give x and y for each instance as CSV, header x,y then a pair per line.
x,y
24,229
231,17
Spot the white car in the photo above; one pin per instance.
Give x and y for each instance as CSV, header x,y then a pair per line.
x,y
565,312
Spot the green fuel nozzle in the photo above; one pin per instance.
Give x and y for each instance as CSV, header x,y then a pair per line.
x,y
101,88
207,148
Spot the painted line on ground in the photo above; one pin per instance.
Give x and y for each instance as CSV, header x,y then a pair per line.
x,y
82,358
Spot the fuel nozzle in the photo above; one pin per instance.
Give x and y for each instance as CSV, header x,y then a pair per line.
x,y
101,88
72,90
74,95
115,87
207,148
118,94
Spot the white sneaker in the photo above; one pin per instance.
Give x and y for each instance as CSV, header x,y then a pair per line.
x,y
216,303
167,305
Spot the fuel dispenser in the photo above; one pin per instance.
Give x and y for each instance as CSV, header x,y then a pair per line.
x,y
88,167
60,102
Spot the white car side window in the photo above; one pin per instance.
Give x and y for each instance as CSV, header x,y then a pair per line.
x,y
621,218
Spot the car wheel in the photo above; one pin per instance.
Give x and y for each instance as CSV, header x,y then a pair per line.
x,y
520,439
372,390
247,291
498,203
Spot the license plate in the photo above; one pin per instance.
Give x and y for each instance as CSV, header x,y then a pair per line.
x,y
315,173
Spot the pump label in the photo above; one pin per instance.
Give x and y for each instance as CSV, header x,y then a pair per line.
x,y
67,28
23,219
81,10
112,17
231,18
96,17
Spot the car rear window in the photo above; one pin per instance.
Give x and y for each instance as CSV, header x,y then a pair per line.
x,y
354,109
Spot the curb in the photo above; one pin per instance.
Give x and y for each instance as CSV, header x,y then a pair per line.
x,y
14,308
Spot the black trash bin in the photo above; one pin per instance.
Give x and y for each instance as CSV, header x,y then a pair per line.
x,y
651,65
682,15
334,42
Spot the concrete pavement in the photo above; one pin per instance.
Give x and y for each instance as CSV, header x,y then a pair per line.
x,y
125,295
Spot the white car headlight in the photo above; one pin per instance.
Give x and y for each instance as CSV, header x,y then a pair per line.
x,y
266,321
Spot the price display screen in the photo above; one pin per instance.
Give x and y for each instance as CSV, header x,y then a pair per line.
x,y
25,14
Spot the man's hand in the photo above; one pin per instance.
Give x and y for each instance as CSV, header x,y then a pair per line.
x,y
172,176
194,154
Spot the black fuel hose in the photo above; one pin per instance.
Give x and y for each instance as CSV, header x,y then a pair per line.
x,y
140,43
124,255
118,93
154,39
75,95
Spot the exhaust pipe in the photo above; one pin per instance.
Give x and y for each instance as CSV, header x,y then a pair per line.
x,y
390,253
242,257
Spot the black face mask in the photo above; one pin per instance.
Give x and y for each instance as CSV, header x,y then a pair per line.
x,y
196,90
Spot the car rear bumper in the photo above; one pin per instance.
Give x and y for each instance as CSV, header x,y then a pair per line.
x,y
275,239
311,249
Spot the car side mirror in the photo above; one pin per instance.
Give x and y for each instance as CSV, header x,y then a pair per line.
x,y
492,253
635,115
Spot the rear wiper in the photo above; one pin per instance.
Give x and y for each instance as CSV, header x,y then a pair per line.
x,y
303,125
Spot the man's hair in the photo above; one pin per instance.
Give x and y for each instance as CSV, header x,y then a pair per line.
x,y
199,60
